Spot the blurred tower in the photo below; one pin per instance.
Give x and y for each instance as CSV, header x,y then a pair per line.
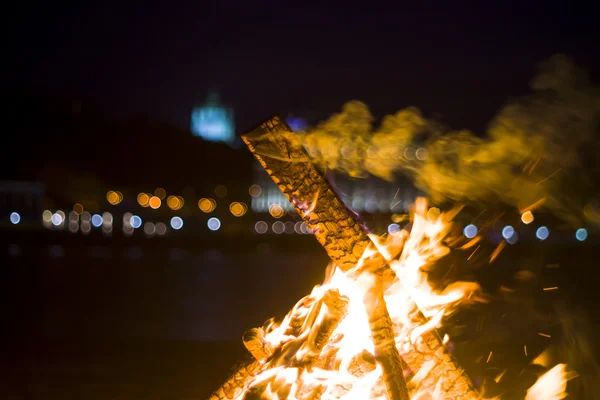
x,y
213,122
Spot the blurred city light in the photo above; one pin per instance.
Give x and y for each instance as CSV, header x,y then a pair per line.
x,y
393,229
127,230
289,227
47,216
214,224
527,217
107,219
154,202
513,238
135,221
73,216
149,228
86,227
238,209
181,201
221,191
177,223
77,208
422,153
207,205
57,219
85,216
143,199
113,197
276,211
298,227
96,220
470,231
581,234
278,227
160,193
213,122
73,226
161,228
15,218
306,229
542,233
255,190
409,153
261,227
508,231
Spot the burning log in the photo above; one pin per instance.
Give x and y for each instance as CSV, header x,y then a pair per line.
x,y
254,340
282,155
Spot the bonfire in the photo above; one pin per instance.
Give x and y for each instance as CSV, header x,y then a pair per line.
x,y
369,331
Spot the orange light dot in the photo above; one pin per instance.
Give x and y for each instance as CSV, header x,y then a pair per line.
x,y
143,199
527,217
160,193
173,203
255,190
77,208
207,205
113,198
181,202
238,209
276,211
154,202
221,191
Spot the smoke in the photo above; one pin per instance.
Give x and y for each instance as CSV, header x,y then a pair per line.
x,y
540,146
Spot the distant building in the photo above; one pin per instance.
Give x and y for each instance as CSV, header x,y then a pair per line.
x,y
213,122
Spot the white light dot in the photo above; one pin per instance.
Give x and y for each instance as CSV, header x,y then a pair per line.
x,y
393,229
289,227
135,221
177,223
214,224
508,231
542,233
513,239
470,231
581,234
149,228
57,219
422,153
161,228
15,218
278,227
47,216
96,220
261,227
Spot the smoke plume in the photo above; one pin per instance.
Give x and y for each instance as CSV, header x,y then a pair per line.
x,y
539,146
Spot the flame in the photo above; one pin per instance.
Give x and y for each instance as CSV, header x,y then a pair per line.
x,y
550,386
323,346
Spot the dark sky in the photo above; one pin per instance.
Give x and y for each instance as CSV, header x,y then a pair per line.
x,y
160,58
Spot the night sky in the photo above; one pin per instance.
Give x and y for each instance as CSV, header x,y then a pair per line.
x,y
456,62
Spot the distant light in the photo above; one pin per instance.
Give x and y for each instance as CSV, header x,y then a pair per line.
x,y
214,224
160,193
127,230
409,153
127,219
177,223
96,220
581,234
174,203
113,197
107,218
238,209
73,216
289,227
77,208
542,233
86,227
306,229
298,227
422,153
143,199
149,228
161,229
255,190
513,239
213,122
278,227
221,191
393,229
57,219
470,231
135,221
508,231
181,201
154,202
276,211
73,226
261,227
527,217
297,124
15,218
47,216
207,205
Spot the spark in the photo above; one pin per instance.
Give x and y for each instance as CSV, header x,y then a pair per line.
x,y
497,251
497,378
397,191
525,348
553,266
544,334
489,357
395,204
550,176
550,288
474,251
484,210
533,206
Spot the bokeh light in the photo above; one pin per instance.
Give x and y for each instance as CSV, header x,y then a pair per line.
x,y
393,229
96,220
77,208
276,211
73,226
470,231
221,191
422,153
542,233
527,217
513,238
278,227
57,219
238,209
255,190
47,216
214,224
107,219
176,223
135,221
15,218
149,228
298,227
261,227
154,202
143,199
289,227
113,197
161,228
86,227
581,234
207,205
160,193
86,216
508,231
